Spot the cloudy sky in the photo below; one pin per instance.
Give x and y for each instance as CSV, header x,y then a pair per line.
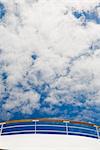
x,y
50,59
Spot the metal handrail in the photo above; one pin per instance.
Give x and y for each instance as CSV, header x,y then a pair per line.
x,y
81,128
33,125
28,131
41,125
83,133
16,126
45,120
24,131
61,126
49,120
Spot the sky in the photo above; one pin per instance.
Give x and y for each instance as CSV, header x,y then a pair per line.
x,y
50,59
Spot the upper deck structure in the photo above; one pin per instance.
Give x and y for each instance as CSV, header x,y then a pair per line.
x,y
49,134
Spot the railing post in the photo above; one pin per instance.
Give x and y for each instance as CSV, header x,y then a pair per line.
x,y
35,127
66,124
1,130
97,130
35,121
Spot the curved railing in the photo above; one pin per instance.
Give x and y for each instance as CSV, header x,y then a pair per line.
x,y
49,126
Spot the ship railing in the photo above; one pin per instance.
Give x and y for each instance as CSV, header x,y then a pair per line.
x,y
50,126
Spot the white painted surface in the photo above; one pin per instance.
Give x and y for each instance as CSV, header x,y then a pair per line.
x,y
48,142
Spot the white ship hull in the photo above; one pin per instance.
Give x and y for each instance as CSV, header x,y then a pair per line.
x,y
48,142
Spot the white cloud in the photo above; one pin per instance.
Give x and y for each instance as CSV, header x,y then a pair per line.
x,y
24,102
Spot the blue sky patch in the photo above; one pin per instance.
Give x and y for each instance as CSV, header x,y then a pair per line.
x,y
89,16
34,56
2,10
4,76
